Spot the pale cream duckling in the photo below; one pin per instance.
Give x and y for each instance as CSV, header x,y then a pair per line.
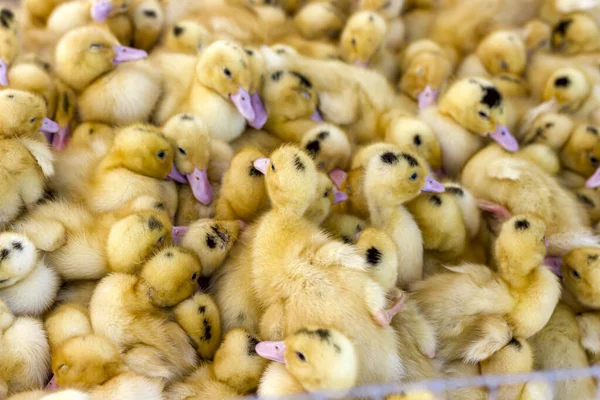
x,y
188,37
328,146
137,163
319,20
310,360
27,285
576,33
470,110
90,60
128,310
25,353
11,43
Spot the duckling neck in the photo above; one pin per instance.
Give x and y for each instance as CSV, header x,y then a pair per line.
x,y
143,292
513,278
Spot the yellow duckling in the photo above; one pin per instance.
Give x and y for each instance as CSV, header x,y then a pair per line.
x,y
148,19
11,43
590,199
75,14
310,360
588,325
27,285
461,133
581,153
187,37
328,146
236,371
579,278
25,353
91,61
576,33
345,227
391,10
319,20
126,309
137,163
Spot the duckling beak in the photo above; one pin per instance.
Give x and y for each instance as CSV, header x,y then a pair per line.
x,y
431,185
126,54
3,73
503,137
261,164
61,138
594,180
499,212
49,126
555,264
52,385
357,235
271,351
243,103
176,176
338,177
178,232
101,10
200,185
361,63
316,116
260,114
339,196
427,97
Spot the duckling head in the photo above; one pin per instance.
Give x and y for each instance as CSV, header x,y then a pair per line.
x,y
84,362
142,149
511,85
211,241
188,37
396,177
381,256
290,95
319,20
521,245
552,129
102,9
415,135
387,8
581,153
424,64
516,357
237,363
319,358
171,276
84,54
503,52
6,316
190,136
590,200
23,113
290,177
327,196
581,275
537,35
18,256
94,135
477,105
345,227
576,33
569,87
279,56
362,38
328,146
28,75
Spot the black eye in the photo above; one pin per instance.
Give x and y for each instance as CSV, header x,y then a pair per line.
x,y
353,41
483,115
417,140
414,176
300,356
593,160
193,278
161,154
32,120
227,72
96,46
182,151
326,193
575,274
272,167
160,240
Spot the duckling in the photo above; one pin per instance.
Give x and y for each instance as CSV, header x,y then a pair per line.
x,y
576,33
236,371
380,253
148,19
79,245
138,162
25,353
91,61
127,310
28,286
319,20
311,359
424,64
590,199
581,152
188,37
11,43
391,179
461,135
328,146
588,326
579,276
362,44
345,227
75,14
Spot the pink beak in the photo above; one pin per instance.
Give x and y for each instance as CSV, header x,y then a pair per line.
x,y
358,235
431,185
101,10
499,212
260,114
200,185
503,137
178,232
52,386
126,54
243,225
49,126
61,139
3,73
243,103
271,351
594,180
316,116
554,263
338,177
261,165
427,97
360,63
176,176
339,196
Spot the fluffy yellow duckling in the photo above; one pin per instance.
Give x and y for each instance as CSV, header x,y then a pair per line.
x,y
579,277
321,50
199,318
28,74
362,44
576,33
148,19
461,134
75,14
236,371
391,12
90,60
319,20
127,310
581,152
328,146
345,227
27,285
311,359
79,245
11,43
25,353
391,179
188,37
137,163
590,199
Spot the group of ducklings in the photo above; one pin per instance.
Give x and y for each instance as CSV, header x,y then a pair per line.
x,y
307,196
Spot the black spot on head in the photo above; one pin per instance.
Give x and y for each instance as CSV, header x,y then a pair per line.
x,y
324,334
150,13
252,342
207,331
4,253
17,246
159,206
455,191
11,96
253,171
202,309
593,130
583,199
280,51
177,31
169,254
313,148
374,256
211,241
346,239
7,13
299,164
410,159
549,125
154,224
303,80
275,76
491,97
435,200
249,52
187,117
323,135
417,140
562,26
66,104
562,81
389,158
522,225
591,258
91,131
514,342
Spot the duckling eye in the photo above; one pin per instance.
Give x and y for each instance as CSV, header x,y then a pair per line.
x,y
483,115
227,72
161,154
575,274
414,176
353,41
32,120
326,193
593,160
193,278
96,46
160,240
300,356
417,140
182,151
272,167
